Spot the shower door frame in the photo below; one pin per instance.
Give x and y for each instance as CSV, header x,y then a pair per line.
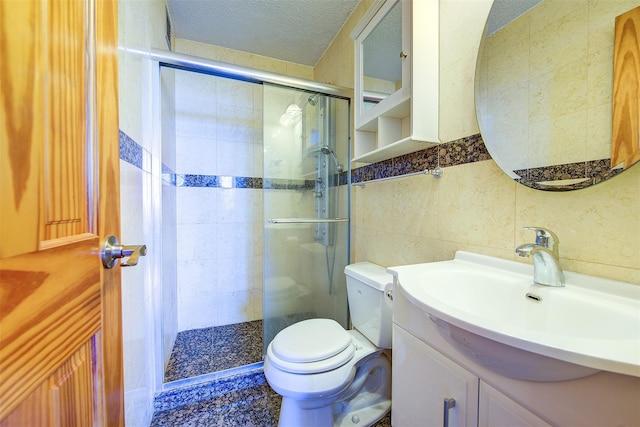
x,y
159,58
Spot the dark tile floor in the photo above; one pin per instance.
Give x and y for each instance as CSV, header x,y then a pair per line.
x,y
242,400
255,406
258,406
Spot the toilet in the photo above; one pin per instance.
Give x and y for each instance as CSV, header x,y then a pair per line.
x,y
329,376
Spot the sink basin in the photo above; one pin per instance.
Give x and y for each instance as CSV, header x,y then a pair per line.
x,y
490,310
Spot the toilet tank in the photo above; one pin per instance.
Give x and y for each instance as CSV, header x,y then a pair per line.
x,y
370,313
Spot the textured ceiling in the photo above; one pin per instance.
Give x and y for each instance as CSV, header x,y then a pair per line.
x,y
291,30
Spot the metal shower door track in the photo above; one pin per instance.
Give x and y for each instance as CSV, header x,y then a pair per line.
x,y
222,69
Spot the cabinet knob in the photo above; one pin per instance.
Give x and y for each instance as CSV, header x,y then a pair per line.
x,y
403,54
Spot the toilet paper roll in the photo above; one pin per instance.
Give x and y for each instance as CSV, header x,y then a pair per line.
x,y
388,294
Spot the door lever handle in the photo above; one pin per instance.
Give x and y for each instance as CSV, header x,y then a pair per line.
x,y
112,251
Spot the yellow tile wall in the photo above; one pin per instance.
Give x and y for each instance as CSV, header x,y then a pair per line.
x,y
564,91
475,206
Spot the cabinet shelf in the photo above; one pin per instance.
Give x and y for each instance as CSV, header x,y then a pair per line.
x,y
398,148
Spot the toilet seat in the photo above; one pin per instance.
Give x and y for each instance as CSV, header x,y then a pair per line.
x,y
311,346
320,384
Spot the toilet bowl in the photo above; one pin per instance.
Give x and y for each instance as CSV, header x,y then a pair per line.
x,y
328,376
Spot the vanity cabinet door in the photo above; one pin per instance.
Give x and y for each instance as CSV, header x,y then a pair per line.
x,y
422,380
497,410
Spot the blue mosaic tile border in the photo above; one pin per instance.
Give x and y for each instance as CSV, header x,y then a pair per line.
x,y
288,184
216,181
130,151
172,399
465,150
133,153
220,181
168,176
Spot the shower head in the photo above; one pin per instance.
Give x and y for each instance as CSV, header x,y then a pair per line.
x,y
325,149
313,100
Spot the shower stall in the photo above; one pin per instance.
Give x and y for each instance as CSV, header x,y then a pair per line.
x,y
255,212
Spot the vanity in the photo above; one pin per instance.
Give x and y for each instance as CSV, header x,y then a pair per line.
x,y
477,343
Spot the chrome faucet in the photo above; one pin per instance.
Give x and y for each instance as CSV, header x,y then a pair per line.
x,y
546,262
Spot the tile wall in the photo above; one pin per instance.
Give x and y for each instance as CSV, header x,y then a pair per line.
x,y
414,219
475,206
539,92
141,26
219,215
219,156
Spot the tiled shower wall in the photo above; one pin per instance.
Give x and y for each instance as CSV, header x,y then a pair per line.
x,y
219,156
219,220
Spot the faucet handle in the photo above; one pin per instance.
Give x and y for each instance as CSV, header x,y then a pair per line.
x,y
543,235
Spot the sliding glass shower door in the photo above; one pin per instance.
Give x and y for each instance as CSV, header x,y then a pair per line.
x,y
306,208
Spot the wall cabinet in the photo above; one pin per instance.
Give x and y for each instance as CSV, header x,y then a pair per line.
x,y
397,79
424,379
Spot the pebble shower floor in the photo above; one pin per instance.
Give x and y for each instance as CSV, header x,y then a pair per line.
x,y
203,351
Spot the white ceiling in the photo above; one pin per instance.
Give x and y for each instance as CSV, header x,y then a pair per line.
x,y
291,30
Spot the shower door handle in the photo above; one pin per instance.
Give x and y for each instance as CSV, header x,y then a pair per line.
x,y
305,220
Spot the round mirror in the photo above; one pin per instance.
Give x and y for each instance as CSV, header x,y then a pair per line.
x,y
545,91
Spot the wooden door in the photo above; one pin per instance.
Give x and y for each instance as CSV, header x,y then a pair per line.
x,y
60,312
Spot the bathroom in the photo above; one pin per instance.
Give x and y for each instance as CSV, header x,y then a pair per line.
x,y
474,207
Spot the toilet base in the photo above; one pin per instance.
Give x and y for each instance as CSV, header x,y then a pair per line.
x,y
292,415
365,401
364,416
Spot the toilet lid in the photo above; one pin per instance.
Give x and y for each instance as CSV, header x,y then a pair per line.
x,y
317,367
311,341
